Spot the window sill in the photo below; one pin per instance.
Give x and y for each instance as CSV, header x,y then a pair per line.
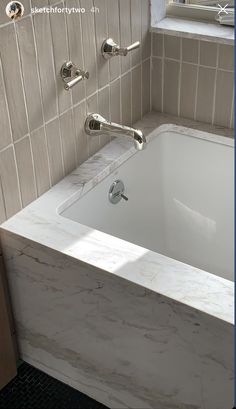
x,y
195,29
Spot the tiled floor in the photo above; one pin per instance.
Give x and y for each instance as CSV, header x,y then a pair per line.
x,y
33,389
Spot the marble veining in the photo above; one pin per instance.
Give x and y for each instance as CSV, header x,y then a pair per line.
x,y
194,29
127,326
118,342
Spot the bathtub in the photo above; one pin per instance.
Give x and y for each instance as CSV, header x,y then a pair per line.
x,y
180,201
132,303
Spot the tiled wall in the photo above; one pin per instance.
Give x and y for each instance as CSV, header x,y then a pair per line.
x,y
193,79
42,137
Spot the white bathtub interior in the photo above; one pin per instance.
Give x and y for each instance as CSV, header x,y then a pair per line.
x,y
181,199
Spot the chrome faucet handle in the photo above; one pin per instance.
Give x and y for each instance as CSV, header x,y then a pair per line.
x,y
110,48
71,74
124,51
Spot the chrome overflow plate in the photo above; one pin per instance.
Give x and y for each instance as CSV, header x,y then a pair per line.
x,y
116,192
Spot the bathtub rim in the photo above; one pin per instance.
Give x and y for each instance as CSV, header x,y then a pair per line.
x,y
39,222
182,130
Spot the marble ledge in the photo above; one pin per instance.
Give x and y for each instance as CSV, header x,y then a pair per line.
x,y
42,223
194,29
153,120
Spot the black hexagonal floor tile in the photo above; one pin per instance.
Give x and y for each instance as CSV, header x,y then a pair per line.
x,y
33,389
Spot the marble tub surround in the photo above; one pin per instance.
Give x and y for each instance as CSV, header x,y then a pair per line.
x,y
127,326
120,343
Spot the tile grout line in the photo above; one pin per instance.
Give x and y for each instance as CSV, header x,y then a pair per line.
x,y
13,22
192,63
199,37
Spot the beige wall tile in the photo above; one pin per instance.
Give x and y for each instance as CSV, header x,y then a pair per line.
x,y
114,33
224,95
172,47
13,82
45,42
68,141
126,99
81,137
136,94
157,45
232,114
30,73
40,159
146,35
103,102
46,69
89,46
8,176
190,49
146,87
104,110
54,150
208,53
25,171
115,101
171,86
101,34
5,138
39,3
3,215
136,30
205,94
226,57
75,48
156,87
188,90
60,54
93,141
125,32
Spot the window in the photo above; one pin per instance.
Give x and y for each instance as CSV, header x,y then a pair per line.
x,y
211,10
